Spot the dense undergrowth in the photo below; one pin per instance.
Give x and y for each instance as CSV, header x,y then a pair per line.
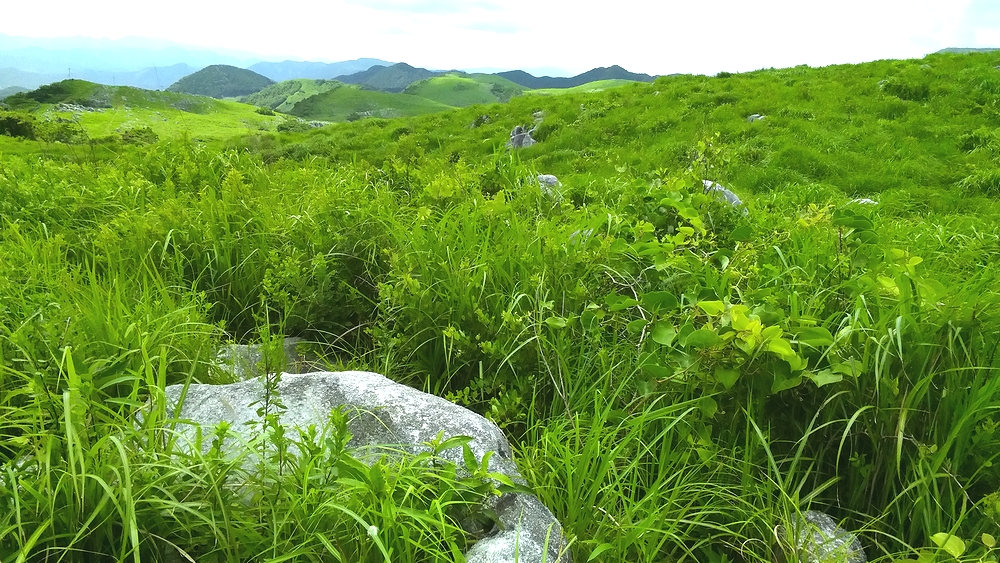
x,y
678,378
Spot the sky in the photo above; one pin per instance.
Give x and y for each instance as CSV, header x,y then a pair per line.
x,y
559,36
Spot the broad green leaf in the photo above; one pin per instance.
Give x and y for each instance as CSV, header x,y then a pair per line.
x,y
702,338
591,319
781,384
825,377
952,544
656,370
636,326
815,336
741,234
849,367
659,300
663,333
619,302
989,541
781,347
556,322
708,407
712,308
727,377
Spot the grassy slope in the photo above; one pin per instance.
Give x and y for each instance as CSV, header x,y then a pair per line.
x,y
461,90
595,86
828,126
284,95
168,114
617,361
350,101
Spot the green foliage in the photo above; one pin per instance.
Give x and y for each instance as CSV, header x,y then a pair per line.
x,y
677,376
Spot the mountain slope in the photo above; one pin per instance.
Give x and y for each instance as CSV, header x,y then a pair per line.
x,y
284,95
351,102
221,81
101,111
460,89
11,90
601,73
393,78
288,70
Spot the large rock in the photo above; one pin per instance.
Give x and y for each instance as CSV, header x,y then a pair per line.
x,y
725,194
816,538
520,138
385,413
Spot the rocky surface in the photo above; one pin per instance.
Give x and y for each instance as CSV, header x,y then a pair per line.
x,y
816,538
520,138
385,417
725,194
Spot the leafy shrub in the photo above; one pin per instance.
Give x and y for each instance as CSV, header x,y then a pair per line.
x,y
265,111
139,136
17,125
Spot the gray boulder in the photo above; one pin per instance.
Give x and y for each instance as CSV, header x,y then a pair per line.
x,y
520,138
548,180
245,361
816,538
385,417
725,194
755,117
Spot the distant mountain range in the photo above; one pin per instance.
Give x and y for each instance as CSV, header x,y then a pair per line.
x,y
398,77
601,73
288,70
965,50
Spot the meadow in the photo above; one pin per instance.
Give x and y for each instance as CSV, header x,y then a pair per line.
x,y
678,378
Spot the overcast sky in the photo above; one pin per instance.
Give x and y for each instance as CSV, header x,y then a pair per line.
x,y
655,37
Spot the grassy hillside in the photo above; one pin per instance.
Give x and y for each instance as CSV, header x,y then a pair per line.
x,y
350,103
679,379
394,78
221,81
284,95
76,111
589,87
461,90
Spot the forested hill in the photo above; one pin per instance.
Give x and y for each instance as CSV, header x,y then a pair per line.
x,y
221,81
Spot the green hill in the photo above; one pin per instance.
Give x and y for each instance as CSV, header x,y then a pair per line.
x,y
393,78
589,87
284,95
88,110
221,81
350,102
11,90
460,89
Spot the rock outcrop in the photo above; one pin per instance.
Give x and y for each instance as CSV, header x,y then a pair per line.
x,y
815,537
382,414
520,138
725,194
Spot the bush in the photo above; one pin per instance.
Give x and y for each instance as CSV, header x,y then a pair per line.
x,y
18,126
